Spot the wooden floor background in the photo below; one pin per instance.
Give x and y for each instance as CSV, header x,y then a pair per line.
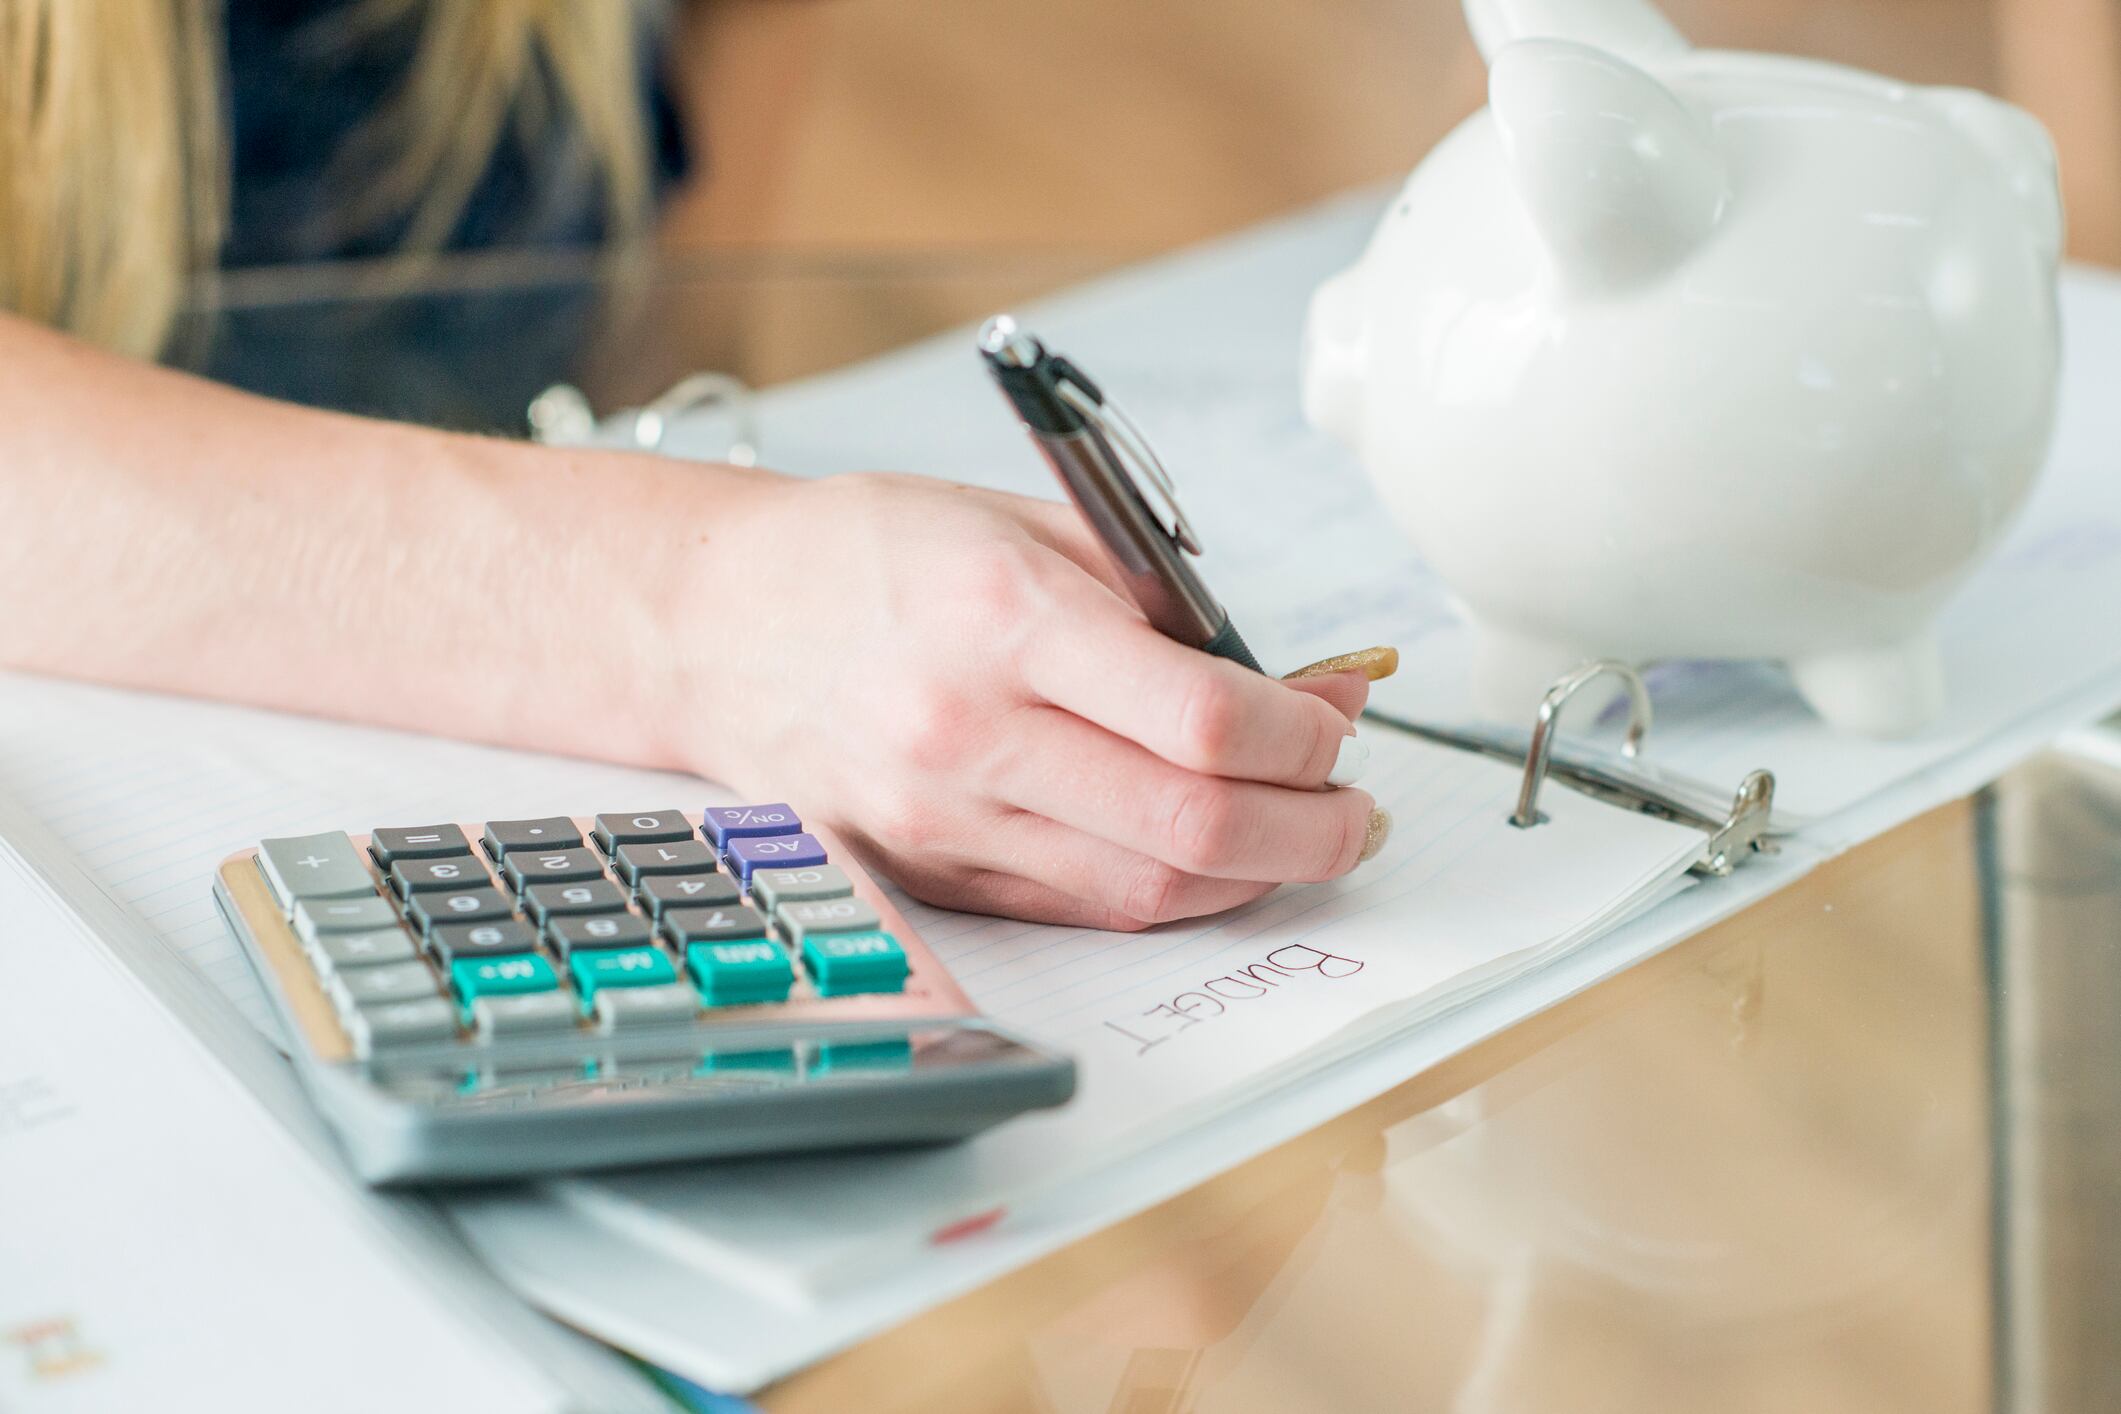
x,y
1125,126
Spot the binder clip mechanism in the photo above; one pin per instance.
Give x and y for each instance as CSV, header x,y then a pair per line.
x,y
1733,835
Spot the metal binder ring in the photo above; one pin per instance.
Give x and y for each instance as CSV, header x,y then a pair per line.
x,y
701,390
561,416
1542,749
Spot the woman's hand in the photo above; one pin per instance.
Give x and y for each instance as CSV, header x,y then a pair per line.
x,y
949,679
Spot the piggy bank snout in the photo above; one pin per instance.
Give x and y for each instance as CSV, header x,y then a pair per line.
x,y
1336,357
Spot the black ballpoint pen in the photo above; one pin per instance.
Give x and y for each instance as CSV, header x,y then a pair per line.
x,y
1082,436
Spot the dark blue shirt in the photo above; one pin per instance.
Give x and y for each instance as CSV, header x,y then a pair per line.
x,y
451,356
292,103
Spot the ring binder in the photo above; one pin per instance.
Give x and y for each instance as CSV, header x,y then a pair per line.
x,y
1736,830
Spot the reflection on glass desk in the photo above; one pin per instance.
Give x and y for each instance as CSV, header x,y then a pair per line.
x,y
1858,1148
466,341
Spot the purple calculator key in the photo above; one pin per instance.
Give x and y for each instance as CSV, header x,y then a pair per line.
x,y
774,852
743,822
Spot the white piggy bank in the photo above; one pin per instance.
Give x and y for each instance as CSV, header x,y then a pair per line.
x,y
1682,354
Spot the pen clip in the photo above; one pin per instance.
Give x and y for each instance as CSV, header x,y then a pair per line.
x,y
1143,467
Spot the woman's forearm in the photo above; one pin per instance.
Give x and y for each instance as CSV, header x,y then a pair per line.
x,y
163,532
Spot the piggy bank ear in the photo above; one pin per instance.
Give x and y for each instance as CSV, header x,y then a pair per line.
x,y
1620,179
1633,29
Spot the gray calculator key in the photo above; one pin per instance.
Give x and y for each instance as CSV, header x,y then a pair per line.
x,y
549,901
685,926
648,827
524,1013
416,842
413,876
623,1008
548,832
379,1028
774,887
661,891
636,862
827,915
313,866
429,911
452,942
550,866
317,916
331,951
603,930
392,982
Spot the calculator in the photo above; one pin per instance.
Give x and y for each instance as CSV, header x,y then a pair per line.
x,y
470,1002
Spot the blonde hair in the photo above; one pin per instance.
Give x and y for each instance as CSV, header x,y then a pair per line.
x,y
113,186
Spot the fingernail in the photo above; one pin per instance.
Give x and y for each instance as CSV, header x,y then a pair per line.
x,y
1372,663
1375,835
1349,762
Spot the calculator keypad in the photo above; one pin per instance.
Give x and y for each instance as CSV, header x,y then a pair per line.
x,y
661,922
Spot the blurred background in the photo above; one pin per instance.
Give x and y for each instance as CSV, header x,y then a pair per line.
x,y
871,171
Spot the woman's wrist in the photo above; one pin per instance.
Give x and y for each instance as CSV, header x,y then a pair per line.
x,y
634,557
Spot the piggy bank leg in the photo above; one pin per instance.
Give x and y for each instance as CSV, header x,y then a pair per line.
x,y
1895,690
1512,672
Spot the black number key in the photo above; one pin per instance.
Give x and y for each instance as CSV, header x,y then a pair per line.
x,y
550,866
661,891
549,901
685,926
429,911
419,876
602,930
636,862
452,941
648,827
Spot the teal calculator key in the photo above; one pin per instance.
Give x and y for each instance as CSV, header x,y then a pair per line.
x,y
842,964
741,972
619,967
476,977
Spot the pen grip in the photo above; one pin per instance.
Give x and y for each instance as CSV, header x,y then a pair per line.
x,y
1228,644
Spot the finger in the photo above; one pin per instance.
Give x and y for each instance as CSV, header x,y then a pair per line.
x,y
1134,887
1347,693
1200,824
1013,896
1206,714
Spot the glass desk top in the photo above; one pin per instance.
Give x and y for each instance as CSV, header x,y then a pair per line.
x,y
1858,1148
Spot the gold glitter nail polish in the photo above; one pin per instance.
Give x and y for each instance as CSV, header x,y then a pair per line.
x,y
1374,835
1372,663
